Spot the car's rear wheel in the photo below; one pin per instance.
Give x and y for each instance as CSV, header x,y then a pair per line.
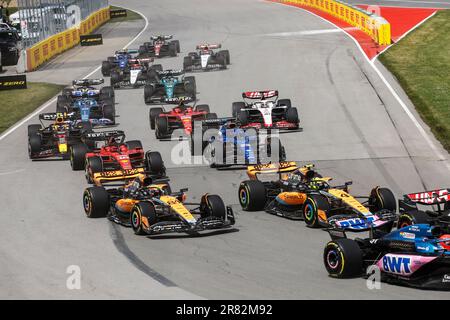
x,y
243,117
292,115
202,108
311,210
153,114
142,210
226,55
106,68
115,78
413,217
34,144
236,107
172,50
190,85
252,195
134,144
161,127
96,202
78,156
148,93
187,62
109,112
343,258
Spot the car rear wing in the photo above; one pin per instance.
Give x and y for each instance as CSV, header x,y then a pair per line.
x,y
271,168
208,46
88,82
427,198
53,116
170,73
265,94
100,136
163,37
127,51
140,60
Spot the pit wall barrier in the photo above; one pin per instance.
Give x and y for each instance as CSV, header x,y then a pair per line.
x,y
375,26
60,42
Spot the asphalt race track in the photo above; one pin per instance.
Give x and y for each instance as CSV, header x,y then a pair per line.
x,y
353,129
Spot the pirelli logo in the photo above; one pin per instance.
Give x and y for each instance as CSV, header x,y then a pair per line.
x,y
118,13
91,40
13,82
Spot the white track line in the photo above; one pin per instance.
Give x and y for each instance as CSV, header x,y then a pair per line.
x,y
48,103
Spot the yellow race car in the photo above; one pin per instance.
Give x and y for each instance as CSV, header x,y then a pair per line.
x,y
300,193
150,207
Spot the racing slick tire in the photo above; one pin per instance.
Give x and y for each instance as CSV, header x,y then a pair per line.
x,y
413,217
252,195
311,208
154,163
226,55
172,50
161,127
177,45
190,85
109,112
78,156
115,79
285,102
236,107
142,209
242,117
33,129
134,144
107,91
343,258
153,114
202,107
281,149
187,62
93,165
34,144
148,93
106,68
212,205
382,199
96,202
111,59
292,115
61,103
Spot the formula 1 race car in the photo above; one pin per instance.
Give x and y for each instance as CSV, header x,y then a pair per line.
x,y
172,87
98,113
119,61
267,112
230,145
138,73
84,88
205,59
149,207
416,256
114,155
180,117
438,200
159,47
53,141
301,193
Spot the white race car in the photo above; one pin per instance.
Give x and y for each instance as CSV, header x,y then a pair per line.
x,y
206,59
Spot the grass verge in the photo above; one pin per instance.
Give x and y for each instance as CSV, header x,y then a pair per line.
x,y
421,63
16,104
131,15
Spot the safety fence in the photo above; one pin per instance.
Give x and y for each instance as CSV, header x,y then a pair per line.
x,y
375,26
60,42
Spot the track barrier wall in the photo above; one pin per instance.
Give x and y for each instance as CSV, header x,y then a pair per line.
x,y
58,43
375,26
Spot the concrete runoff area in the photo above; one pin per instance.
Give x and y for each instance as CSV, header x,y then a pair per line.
x,y
353,129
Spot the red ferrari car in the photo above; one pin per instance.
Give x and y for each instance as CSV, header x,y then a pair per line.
x,y
113,155
180,117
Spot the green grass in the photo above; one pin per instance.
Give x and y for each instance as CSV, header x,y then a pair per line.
x,y
16,104
131,15
421,63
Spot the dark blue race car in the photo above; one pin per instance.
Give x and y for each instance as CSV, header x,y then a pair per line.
x,y
226,144
416,255
118,61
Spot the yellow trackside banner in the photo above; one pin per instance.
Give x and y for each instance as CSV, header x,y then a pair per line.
x,y
375,26
60,42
